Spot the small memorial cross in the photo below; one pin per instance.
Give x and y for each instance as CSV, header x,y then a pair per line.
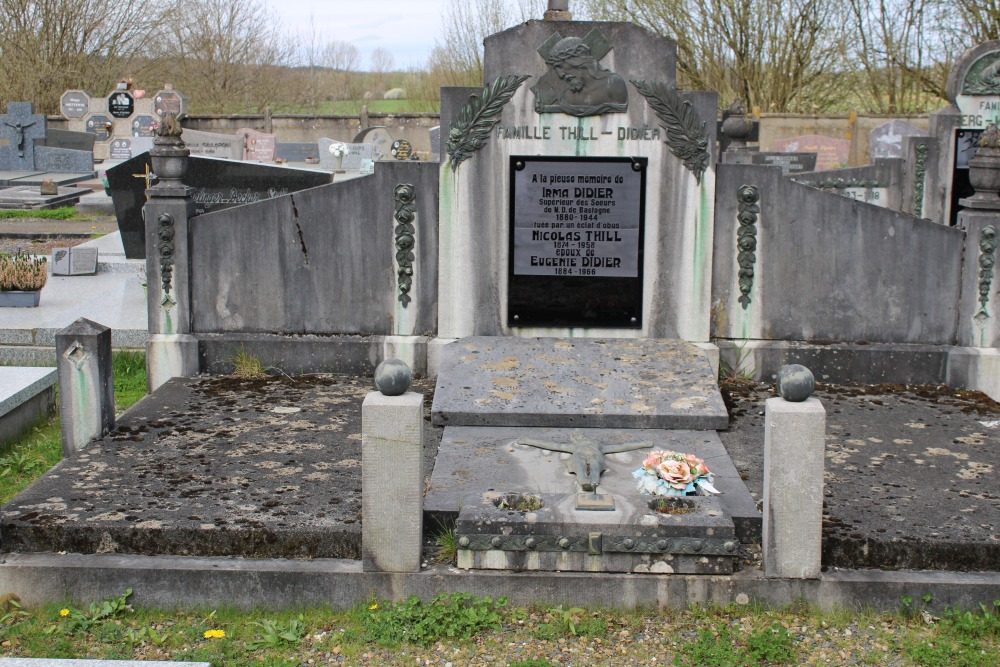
x,y
19,128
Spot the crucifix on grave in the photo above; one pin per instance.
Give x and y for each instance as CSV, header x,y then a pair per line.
x,y
588,463
19,128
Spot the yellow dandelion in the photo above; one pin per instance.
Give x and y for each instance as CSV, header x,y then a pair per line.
x,y
215,634
373,607
64,612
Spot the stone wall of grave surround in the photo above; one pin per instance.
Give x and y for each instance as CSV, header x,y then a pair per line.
x,y
881,183
320,261
864,274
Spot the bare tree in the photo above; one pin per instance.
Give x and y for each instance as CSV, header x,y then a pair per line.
x,y
776,54
457,59
227,55
49,46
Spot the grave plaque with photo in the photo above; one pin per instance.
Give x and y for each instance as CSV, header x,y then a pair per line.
x,y
401,149
576,235
100,126
121,104
121,149
167,101
144,125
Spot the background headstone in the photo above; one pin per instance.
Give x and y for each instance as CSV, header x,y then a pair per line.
x,y
19,128
169,100
435,140
121,149
144,125
76,141
74,104
63,161
887,140
830,153
100,126
296,151
790,163
212,144
380,139
121,104
258,146
401,149
356,156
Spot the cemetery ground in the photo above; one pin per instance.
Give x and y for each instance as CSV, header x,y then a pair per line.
x,y
37,232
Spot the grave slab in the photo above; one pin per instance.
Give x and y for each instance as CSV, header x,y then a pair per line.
x,y
612,383
28,196
474,460
694,535
7,176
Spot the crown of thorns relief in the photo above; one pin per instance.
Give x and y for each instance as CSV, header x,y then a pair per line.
x,y
557,49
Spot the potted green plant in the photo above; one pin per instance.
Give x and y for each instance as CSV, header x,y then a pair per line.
x,y
22,278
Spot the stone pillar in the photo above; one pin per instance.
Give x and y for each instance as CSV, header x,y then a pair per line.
x,y
793,487
980,218
172,351
392,482
86,384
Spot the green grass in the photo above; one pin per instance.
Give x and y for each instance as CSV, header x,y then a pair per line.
x,y
26,459
353,107
64,213
473,631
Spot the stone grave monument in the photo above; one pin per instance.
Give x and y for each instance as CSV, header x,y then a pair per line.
x,y
886,140
218,184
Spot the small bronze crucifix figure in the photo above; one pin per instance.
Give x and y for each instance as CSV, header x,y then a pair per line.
x,y
588,456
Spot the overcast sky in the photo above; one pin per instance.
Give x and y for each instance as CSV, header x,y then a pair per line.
x,y
407,28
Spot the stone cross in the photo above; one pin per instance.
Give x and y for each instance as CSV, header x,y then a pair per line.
x,y
588,456
18,130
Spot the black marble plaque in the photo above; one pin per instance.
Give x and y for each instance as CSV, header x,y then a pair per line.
x,y
966,142
218,184
100,126
121,104
576,238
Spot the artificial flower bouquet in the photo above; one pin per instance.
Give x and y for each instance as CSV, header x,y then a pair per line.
x,y
669,473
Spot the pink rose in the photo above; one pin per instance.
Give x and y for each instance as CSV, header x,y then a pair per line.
x,y
675,473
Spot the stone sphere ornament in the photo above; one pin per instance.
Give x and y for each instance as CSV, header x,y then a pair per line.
x,y
795,383
392,377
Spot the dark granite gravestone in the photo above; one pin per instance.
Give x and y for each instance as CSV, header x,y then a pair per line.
x,y
121,104
401,149
886,140
63,161
218,184
100,126
121,149
19,128
74,104
144,125
74,141
296,151
169,101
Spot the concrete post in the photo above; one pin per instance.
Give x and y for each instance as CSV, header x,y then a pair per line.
x,y
793,487
172,351
86,384
392,482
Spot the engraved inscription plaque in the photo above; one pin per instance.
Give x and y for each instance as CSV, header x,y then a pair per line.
x,y
576,236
